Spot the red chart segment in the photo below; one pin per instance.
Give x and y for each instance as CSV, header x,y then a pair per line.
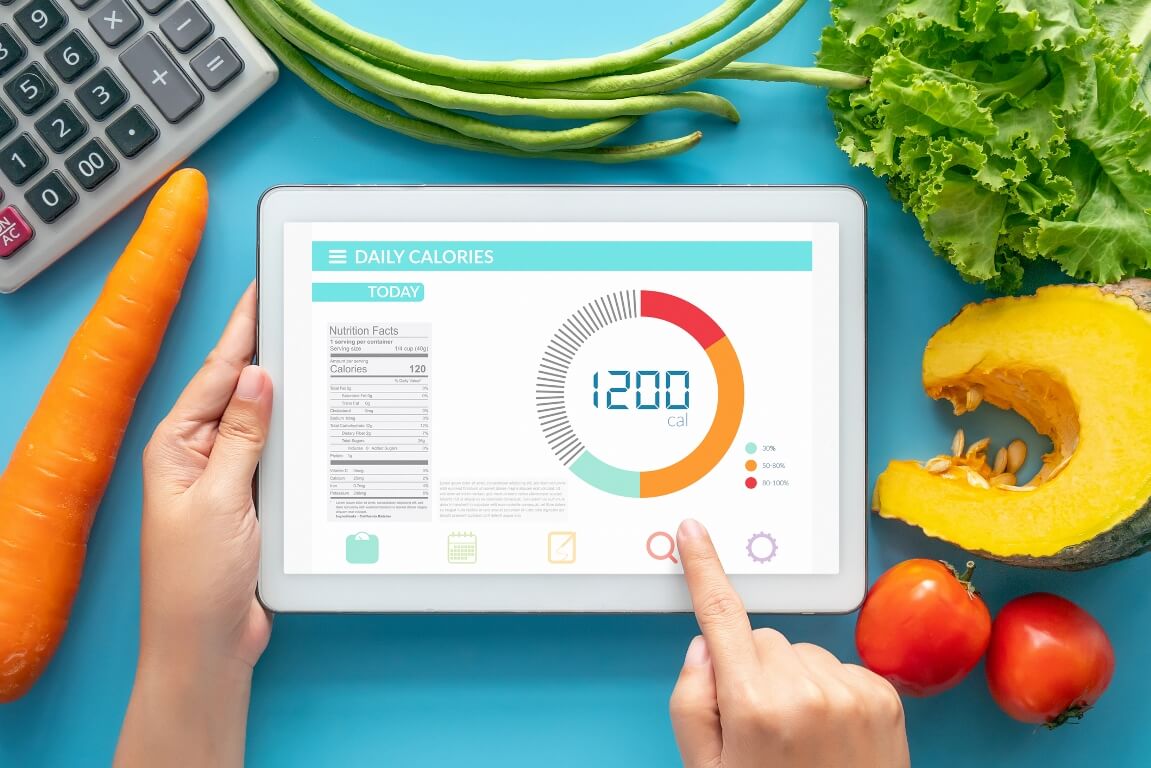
x,y
689,317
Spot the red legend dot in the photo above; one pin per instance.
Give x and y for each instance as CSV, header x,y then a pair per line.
x,y
750,482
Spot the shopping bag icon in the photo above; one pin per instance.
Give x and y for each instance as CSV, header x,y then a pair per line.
x,y
362,548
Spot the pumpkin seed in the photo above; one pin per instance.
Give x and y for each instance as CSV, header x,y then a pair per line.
x,y
1016,487
958,442
938,465
1016,455
977,448
1000,462
974,397
1003,478
977,480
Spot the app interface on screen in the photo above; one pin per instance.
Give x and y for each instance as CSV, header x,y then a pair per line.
x,y
554,398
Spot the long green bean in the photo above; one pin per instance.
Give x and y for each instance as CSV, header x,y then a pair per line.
x,y
388,83
522,70
817,76
657,78
341,97
778,73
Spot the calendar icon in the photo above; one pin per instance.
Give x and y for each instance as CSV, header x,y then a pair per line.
x,y
462,548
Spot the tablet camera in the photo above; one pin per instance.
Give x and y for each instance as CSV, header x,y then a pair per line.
x,y
761,547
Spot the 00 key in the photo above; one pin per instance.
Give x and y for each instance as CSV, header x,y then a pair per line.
x,y
91,164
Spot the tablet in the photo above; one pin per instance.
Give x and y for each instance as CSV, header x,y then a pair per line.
x,y
507,398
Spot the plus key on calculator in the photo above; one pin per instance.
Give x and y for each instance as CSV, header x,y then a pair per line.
x,y
101,98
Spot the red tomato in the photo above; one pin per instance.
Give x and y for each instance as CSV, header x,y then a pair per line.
x,y
922,627
1049,660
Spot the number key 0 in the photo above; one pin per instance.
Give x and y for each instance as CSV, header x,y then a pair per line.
x,y
50,197
102,95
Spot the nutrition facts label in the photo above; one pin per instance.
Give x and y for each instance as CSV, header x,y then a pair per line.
x,y
379,421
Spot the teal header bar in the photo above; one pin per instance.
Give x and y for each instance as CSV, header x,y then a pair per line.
x,y
562,256
367,291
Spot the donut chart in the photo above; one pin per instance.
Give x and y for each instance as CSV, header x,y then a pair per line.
x,y
622,307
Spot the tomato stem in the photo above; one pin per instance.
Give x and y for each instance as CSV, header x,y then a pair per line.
x,y
1074,712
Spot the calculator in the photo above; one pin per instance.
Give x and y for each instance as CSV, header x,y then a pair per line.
x,y
101,98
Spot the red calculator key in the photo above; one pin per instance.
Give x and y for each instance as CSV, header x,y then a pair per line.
x,y
14,231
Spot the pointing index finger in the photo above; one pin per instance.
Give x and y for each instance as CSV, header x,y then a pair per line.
x,y
718,607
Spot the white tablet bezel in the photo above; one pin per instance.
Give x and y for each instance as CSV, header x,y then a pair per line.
x,y
836,593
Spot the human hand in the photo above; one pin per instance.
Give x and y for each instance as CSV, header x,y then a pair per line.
x,y
201,627
750,698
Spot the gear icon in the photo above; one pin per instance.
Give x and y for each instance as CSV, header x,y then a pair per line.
x,y
766,542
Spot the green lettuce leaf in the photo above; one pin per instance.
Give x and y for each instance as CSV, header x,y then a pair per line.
x,y
1013,130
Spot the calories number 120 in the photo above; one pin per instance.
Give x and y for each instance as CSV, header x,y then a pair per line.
x,y
647,390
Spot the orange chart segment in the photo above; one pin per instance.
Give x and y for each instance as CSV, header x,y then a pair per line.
x,y
725,426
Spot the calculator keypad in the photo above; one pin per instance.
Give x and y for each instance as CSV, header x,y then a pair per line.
x,y
59,77
21,159
30,89
71,57
51,197
61,127
12,51
102,95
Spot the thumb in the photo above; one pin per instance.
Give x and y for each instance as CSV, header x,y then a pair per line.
x,y
695,709
242,433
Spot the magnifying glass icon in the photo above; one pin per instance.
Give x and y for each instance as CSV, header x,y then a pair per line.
x,y
660,552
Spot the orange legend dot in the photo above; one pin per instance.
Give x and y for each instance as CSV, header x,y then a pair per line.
x,y
750,465
750,482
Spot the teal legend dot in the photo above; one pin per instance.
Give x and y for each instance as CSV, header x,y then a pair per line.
x,y
750,447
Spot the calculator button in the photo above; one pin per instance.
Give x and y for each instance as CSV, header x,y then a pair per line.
x,y
132,131
83,4
217,64
50,197
7,123
114,21
155,6
15,232
40,19
61,127
11,50
91,164
21,159
163,81
71,57
186,26
30,89
102,95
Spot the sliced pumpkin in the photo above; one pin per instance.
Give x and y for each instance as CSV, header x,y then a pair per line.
x,y
1075,361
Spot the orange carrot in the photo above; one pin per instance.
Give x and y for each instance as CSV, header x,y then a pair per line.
x,y
60,466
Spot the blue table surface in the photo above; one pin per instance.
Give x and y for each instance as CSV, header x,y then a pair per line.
x,y
521,691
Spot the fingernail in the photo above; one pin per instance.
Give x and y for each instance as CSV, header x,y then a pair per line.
x,y
697,655
251,383
691,529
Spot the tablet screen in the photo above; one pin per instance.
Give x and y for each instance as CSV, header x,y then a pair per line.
x,y
554,398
